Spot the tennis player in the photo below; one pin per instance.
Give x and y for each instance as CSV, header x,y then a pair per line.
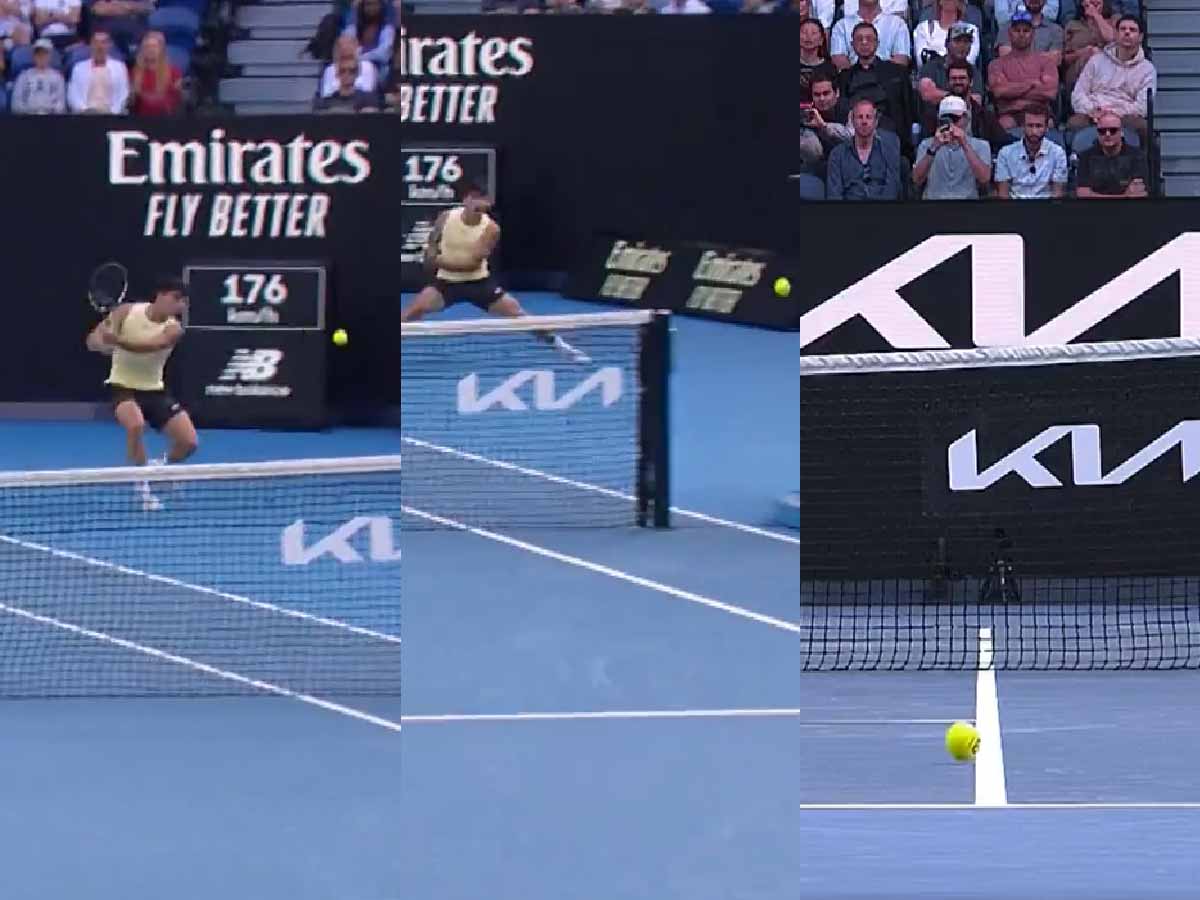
x,y
140,338
458,249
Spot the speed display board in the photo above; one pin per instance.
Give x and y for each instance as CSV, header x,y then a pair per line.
x,y
255,354
432,177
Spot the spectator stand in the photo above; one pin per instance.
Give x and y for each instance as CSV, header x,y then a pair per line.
x,y
180,21
1173,26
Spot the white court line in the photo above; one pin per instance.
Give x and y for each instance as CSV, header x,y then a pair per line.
x,y
653,714
604,715
989,762
196,666
835,807
200,589
596,489
603,570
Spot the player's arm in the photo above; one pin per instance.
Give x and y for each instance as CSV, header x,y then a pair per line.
x,y
487,243
434,244
483,249
169,338
102,338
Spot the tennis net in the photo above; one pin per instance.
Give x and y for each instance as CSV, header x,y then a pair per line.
x,y
198,580
539,421
1022,508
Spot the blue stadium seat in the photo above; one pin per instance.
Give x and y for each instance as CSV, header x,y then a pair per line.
x,y
811,187
179,24
22,59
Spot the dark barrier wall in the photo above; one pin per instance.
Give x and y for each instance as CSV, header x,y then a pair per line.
x,y
156,194
971,274
1090,468
676,126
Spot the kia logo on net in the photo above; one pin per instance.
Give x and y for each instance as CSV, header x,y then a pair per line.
x,y
537,389
1087,467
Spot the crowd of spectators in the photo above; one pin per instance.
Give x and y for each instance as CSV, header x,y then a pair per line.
x,y
98,57
362,73
951,100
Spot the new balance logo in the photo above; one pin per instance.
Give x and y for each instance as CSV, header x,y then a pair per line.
x,y
1086,458
252,365
248,374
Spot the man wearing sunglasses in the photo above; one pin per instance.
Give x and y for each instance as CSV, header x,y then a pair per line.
x,y
1111,169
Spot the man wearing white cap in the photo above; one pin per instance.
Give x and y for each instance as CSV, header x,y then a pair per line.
x,y
952,165
40,90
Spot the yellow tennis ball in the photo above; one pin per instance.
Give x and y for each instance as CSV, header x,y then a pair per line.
x,y
783,287
962,741
340,338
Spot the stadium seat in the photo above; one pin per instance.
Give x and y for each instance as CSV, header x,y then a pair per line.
x,y
180,58
179,24
811,187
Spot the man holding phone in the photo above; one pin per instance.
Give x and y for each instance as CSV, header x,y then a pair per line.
x,y
952,165
823,124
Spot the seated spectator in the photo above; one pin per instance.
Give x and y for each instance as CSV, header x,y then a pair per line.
x,y
40,90
821,10
891,7
933,77
1087,35
824,124
685,8
814,56
124,21
346,47
1111,169
156,88
1033,168
1119,79
347,98
883,82
1022,78
99,84
931,36
391,87
1004,9
375,35
15,25
891,39
57,20
952,165
867,167
1047,35
982,123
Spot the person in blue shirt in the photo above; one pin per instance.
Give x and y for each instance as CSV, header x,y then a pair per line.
x,y
867,167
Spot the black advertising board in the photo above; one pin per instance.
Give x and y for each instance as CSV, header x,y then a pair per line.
x,y
882,277
1088,468
730,284
255,351
158,193
663,125
433,178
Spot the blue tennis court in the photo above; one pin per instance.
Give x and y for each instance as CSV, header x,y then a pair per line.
x,y
587,712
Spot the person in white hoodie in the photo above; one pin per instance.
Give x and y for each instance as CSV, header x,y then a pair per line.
x,y
1118,80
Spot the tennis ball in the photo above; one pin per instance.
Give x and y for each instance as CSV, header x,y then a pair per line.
x,y
340,338
962,741
783,287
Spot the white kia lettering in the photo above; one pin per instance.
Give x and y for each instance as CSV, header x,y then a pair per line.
x,y
1086,462
381,546
545,397
998,295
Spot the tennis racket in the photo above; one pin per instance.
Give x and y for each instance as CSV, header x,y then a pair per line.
x,y
107,287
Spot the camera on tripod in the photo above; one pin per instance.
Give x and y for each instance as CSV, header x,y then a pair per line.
x,y
1000,585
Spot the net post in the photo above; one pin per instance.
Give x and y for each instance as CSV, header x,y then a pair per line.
x,y
654,451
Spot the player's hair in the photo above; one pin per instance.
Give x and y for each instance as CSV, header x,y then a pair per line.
x,y
169,284
471,189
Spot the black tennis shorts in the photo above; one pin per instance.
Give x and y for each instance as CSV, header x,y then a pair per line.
x,y
482,293
158,407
